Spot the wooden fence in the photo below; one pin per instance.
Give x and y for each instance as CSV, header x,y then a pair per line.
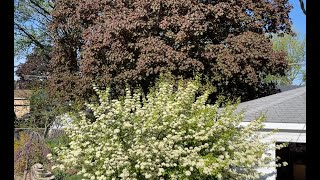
x,y
53,133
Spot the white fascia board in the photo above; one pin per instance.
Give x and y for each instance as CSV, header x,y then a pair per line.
x,y
280,126
286,137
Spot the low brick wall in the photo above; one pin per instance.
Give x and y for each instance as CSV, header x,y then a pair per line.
x,y
37,172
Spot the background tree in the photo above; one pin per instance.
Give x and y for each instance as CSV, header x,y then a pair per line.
x,y
295,47
32,76
44,111
118,42
31,18
34,72
32,40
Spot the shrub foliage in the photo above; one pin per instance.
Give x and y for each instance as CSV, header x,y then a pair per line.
x,y
169,134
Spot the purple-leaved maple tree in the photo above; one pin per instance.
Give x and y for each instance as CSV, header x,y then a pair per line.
x,y
132,41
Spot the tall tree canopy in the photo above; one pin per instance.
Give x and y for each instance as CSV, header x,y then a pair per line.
x,y
133,41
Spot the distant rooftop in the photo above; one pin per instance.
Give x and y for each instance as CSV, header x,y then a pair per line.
x,y
289,106
22,93
287,87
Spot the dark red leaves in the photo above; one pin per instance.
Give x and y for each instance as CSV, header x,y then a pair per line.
x,y
133,41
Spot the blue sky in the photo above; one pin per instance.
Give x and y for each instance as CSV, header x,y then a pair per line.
x,y
299,23
296,15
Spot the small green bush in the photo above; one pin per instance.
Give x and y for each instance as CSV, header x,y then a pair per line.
x,y
59,175
55,142
62,175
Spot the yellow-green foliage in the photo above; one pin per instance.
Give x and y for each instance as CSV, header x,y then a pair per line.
x,y
18,145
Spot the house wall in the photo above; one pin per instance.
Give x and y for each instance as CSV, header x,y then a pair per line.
x,y
298,137
287,132
21,107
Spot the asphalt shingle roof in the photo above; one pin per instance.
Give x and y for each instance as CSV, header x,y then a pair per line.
x,y
284,107
287,87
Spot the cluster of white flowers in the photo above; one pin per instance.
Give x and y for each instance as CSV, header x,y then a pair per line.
x,y
168,135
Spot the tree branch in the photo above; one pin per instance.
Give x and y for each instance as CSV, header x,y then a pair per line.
x,y
44,15
37,5
302,7
31,37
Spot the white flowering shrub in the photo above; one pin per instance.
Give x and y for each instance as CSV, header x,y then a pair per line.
x,y
170,134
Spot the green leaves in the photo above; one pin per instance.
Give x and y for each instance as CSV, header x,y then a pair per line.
x,y
295,48
31,18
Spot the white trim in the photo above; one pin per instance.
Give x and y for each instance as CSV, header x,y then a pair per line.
x,y
286,137
280,126
299,136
